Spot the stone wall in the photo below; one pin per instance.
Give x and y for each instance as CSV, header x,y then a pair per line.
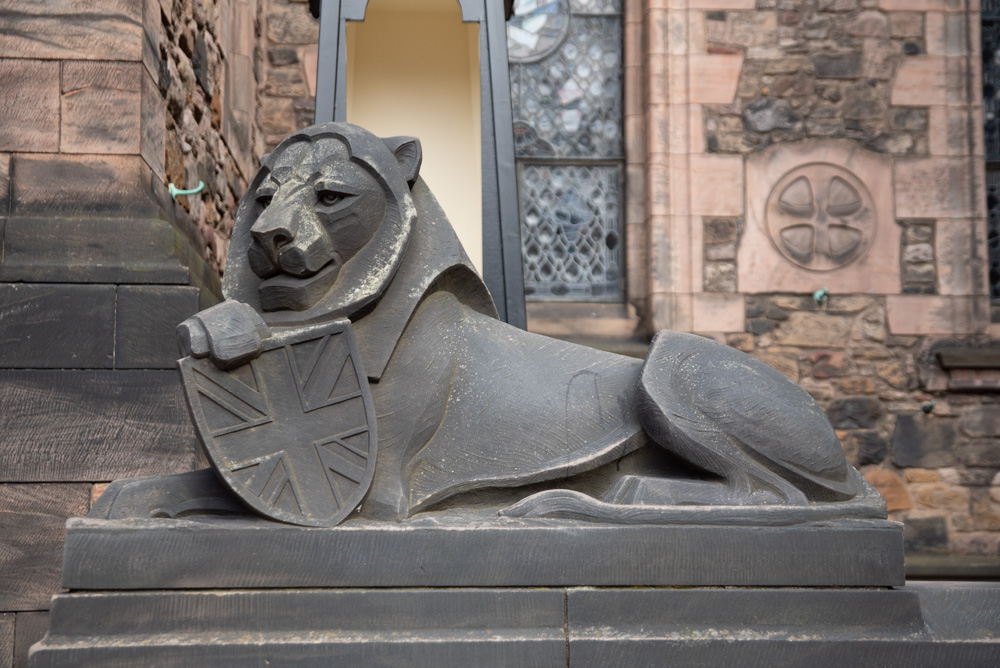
x,y
104,103
209,57
287,98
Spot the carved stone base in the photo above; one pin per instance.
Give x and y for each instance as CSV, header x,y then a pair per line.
x,y
442,550
919,625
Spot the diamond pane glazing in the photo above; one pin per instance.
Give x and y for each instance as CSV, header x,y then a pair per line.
x,y
570,103
570,232
597,6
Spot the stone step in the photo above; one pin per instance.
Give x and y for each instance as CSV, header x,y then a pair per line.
x,y
92,250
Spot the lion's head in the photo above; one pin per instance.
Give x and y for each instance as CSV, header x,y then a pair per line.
x,y
324,224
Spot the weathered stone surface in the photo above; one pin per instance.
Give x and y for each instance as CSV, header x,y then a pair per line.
x,y
871,447
93,425
4,184
892,489
29,108
292,24
837,66
868,24
815,330
854,412
768,114
88,30
720,277
981,421
923,441
985,453
101,107
941,496
32,527
31,626
6,639
146,323
71,185
864,101
86,250
925,534
28,312
828,364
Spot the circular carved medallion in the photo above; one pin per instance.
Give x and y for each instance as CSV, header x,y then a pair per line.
x,y
820,217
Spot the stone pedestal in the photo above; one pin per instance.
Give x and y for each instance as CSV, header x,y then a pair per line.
x,y
446,591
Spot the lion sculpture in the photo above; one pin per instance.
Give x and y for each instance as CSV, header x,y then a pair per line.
x,y
338,227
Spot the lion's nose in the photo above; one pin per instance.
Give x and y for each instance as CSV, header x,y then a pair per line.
x,y
271,237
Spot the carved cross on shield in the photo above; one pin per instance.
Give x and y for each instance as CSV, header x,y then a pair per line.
x,y
292,432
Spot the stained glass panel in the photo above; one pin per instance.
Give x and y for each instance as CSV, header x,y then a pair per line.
x,y
567,106
569,231
991,133
570,103
596,6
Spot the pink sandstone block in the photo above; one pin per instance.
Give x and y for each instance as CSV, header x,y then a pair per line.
x,y
718,312
811,174
29,105
101,107
960,254
716,185
86,29
736,5
933,188
932,314
714,77
920,81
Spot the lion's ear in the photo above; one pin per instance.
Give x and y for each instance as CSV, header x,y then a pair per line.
x,y
409,155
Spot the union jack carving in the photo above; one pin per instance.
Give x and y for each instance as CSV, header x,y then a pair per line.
x,y
292,432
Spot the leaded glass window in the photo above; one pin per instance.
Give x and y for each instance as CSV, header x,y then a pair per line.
x,y
991,127
566,94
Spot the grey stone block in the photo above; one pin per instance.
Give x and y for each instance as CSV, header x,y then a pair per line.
x,y
468,627
30,628
920,625
92,425
147,319
88,250
923,441
854,412
46,326
837,65
468,551
32,525
926,624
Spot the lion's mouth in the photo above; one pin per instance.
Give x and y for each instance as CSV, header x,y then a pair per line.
x,y
297,294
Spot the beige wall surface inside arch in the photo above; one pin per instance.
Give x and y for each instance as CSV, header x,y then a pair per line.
x,y
413,69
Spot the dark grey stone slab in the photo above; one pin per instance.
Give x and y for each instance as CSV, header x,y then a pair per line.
x,y
940,624
484,551
88,250
147,319
92,425
32,526
30,628
50,184
46,326
6,640
470,627
919,625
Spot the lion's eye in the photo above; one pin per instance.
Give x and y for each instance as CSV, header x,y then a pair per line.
x,y
263,201
329,197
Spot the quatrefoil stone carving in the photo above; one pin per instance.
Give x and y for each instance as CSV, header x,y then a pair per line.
x,y
820,217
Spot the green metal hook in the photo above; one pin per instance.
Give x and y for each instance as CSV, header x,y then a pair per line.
x,y
821,295
175,191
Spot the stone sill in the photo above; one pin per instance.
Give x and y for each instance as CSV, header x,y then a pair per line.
x,y
971,369
594,321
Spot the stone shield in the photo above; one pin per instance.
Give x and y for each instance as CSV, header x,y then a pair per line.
x,y
292,432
